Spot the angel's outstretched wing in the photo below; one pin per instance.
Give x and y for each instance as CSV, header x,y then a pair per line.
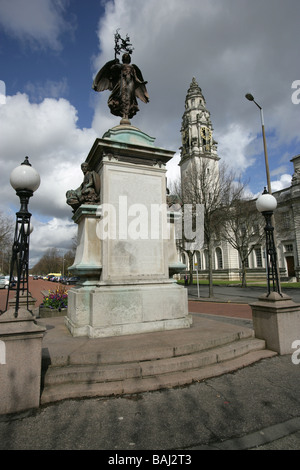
x,y
106,77
141,90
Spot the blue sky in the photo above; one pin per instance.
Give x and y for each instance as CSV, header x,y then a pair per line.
x,y
66,61
50,50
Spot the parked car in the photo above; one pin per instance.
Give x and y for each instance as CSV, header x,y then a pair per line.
x,y
35,278
71,280
4,282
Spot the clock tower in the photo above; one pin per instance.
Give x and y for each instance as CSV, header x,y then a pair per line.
x,y
198,144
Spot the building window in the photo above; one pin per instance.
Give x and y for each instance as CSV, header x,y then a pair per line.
x,y
258,257
219,258
289,248
286,220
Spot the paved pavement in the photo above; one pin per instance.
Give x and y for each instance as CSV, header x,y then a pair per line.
x,y
257,408
236,294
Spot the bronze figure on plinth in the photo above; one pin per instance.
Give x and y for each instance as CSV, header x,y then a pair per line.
x,y
88,192
124,80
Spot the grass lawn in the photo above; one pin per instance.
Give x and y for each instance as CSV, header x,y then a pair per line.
x,y
286,285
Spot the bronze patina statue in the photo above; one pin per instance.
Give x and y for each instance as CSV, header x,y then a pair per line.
x,y
125,81
88,192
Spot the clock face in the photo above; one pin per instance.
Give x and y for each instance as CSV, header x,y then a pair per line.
x,y
205,133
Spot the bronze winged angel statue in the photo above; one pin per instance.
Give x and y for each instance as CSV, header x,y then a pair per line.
x,y
125,81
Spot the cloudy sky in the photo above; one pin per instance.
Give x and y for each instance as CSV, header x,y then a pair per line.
x,y
50,51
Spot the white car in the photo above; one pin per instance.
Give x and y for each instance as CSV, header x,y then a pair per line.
x,y
4,282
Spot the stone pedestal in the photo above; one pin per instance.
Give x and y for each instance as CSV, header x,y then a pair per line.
x,y
20,361
129,244
87,263
276,319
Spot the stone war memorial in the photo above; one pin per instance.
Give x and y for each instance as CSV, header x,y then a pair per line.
x,y
126,252
127,328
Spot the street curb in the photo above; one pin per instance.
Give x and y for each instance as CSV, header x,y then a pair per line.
x,y
256,439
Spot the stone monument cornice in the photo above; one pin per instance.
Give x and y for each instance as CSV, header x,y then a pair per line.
x,y
121,143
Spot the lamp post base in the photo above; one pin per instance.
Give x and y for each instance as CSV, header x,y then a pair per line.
x,y
20,361
276,319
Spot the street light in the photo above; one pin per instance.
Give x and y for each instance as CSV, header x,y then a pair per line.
x,y
251,98
266,204
25,180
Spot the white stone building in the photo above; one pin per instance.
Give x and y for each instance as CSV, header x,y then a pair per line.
x,y
198,144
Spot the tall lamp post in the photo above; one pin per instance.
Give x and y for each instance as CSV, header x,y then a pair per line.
x,y
266,204
25,180
251,98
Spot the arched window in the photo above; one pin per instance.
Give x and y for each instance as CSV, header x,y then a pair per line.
x,y
258,257
206,259
219,258
184,259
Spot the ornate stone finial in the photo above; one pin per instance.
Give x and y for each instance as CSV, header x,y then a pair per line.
x,y
125,81
194,87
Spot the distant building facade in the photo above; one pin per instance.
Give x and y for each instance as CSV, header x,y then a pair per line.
x,y
198,144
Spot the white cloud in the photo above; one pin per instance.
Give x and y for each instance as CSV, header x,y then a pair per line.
x,y
40,23
231,47
232,148
282,183
57,233
48,134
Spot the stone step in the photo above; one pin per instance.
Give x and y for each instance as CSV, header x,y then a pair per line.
x,y
91,380
109,372
142,348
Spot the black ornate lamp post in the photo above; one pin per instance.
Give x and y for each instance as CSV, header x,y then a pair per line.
x,y
266,204
25,180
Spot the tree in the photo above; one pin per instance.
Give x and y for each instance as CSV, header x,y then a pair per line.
x,y
183,243
6,240
242,228
212,187
55,262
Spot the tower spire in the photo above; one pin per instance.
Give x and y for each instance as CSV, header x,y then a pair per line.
x,y
196,129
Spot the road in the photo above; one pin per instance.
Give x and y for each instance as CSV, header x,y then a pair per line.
x,y
237,294
35,287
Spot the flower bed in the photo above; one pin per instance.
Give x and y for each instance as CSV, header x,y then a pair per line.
x,y
55,303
